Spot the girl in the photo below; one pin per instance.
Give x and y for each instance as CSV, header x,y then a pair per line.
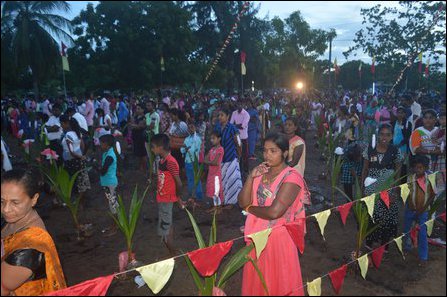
x,y
214,160
351,168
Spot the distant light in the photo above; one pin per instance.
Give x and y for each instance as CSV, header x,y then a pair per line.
x,y
299,85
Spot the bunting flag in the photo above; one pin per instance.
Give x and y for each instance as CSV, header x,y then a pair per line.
x,y
162,64
429,225
420,63
398,242
377,255
432,180
314,287
427,67
360,69
260,240
337,278
404,191
296,232
156,275
65,66
93,287
337,69
243,69
370,201
363,263
207,260
373,66
344,211
322,218
385,196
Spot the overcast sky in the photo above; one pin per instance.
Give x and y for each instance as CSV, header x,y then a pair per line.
x,y
344,16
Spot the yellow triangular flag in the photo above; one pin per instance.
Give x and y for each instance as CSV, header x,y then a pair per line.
x,y
260,240
157,275
429,225
370,201
322,218
432,179
243,69
65,65
363,263
404,191
398,241
314,287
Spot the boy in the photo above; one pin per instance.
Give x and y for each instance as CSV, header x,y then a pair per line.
x,y
169,188
420,198
191,150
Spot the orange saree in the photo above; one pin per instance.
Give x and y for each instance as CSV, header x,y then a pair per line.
x,y
38,239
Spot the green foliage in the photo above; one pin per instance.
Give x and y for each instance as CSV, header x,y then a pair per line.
x,y
337,163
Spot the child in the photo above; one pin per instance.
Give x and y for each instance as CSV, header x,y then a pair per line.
x,y
108,177
420,198
214,160
351,168
169,187
190,151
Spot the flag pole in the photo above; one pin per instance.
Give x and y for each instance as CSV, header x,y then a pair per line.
x,y
63,77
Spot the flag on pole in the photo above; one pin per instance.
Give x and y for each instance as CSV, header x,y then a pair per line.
x,y
427,67
420,62
360,69
162,64
337,69
65,65
373,66
243,69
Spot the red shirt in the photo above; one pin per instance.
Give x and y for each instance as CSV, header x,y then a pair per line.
x,y
166,189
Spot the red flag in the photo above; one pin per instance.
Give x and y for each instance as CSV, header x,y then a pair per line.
x,y
442,216
427,67
385,196
93,287
207,260
64,47
344,211
337,277
377,255
243,56
414,235
296,231
373,66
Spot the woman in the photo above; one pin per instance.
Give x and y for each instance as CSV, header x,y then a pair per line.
x,y
382,163
138,127
231,173
177,134
273,195
74,160
30,263
297,146
401,137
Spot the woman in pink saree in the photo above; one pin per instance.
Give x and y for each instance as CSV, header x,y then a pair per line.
x,y
273,195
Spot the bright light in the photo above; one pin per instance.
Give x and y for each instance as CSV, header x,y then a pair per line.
x,y
299,85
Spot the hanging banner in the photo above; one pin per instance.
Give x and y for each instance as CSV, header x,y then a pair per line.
x,y
377,255
314,287
296,232
344,211
157,275
363,263
398,242
404,191
207,260
322,218
260,240
337,278
93,287
385,196
370,201
429,225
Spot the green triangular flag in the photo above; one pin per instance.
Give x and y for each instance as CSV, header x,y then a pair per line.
x,y
322,218
314,287
432,179
398,241
404,191
370,201
260,240
156,275
363,263
429,225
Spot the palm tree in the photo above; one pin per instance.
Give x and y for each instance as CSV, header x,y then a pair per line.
x,y
29,29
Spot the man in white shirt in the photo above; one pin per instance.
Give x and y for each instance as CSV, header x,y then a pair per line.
x,y
105,105
53,130
240,119
415,107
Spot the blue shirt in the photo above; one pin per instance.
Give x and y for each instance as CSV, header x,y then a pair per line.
x,y
109,179
193,142
227,141
123,112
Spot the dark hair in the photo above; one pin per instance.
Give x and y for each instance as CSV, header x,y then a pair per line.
x,y
431,111
420,159
353,152
70,110
279,139
386,126
56,105
108,139
161,140
100,110
294,120
73,123
225,111
29,178
216,133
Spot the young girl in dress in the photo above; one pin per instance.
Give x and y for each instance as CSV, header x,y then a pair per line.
x,y
214,160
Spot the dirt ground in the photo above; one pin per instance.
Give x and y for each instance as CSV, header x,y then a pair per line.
x,y
98,256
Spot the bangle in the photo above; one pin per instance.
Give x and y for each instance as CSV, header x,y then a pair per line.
x,y
248,207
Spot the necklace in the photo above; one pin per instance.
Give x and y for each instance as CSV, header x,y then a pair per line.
x,y
268,181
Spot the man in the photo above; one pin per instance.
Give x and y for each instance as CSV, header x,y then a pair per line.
x,y
414,107
240,119
152,122
105,105
53,130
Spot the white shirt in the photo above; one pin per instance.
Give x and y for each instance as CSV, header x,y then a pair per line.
x,y
416,109
267,106
72,139
53,121
105,105
6,163
359,107
81,121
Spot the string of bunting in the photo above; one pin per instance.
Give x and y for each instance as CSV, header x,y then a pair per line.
x,y
225,44
207,260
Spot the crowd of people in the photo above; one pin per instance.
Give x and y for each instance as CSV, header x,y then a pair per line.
x,y
173,135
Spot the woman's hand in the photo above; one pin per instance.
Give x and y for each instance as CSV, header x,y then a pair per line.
x,y
259,170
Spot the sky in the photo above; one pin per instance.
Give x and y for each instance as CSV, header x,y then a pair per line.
x,y
343,16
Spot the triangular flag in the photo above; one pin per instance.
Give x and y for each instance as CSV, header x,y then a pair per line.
x,y
385,198
314,287
260,240
65,65
243,69
429,224
377,255
337,277
207,260
93,287
427,67
322,218
370,201
63,48
158,274
344,211
432,179
296,231
404,191
442,216
398,241
363,263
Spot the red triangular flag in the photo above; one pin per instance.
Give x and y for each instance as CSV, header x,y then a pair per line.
x,y
93,287
377,255
296,231
337,277
414,235
442,216
64,47
385,197
207,260
344,211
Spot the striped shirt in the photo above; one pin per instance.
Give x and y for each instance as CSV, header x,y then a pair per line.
x,y
227,141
